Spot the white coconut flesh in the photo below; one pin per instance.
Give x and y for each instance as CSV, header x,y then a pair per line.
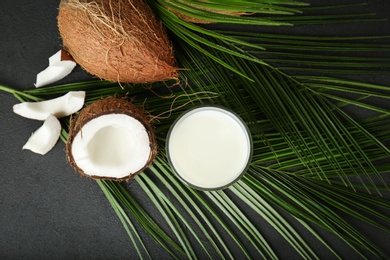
x,y
57,69
45,137
59,107
112,145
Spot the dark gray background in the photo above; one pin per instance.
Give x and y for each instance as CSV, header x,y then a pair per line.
x,y
46,210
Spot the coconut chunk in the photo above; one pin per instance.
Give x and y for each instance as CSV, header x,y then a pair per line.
x,y
60,66
44,139
111,139
59,107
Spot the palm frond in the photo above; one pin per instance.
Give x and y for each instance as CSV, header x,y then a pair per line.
x,y
312,158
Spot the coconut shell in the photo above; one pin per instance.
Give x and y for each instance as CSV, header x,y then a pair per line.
x,y
117,40
110,105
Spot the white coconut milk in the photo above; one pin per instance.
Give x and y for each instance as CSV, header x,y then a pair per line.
x,y
209,147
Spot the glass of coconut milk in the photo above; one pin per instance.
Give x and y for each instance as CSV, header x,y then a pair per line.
x,y
209,147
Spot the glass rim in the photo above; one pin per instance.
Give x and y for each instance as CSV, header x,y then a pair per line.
x,y
232,114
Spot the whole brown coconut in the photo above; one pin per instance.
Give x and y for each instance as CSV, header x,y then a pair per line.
x,y
99,152
117,40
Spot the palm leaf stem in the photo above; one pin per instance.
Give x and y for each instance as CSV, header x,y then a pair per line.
x,y
320,88
242,6
334,64
327,19
306,56
77,86
338,81
381,110
328,71
376,128
331,7
214,17
19,94
325,43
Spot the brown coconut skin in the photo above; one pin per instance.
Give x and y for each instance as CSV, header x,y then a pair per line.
x,y
110,105
117,40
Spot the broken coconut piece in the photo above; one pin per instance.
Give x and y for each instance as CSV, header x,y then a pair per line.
x,y
44,139
62,106
60,66
111,139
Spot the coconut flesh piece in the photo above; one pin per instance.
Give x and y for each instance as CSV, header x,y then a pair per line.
x,y
45,137
110,139
62,106
60,66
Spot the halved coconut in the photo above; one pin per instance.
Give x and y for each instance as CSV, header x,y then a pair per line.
x,y
111,139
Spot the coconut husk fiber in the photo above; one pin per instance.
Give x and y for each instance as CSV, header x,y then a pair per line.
x,y
117,40
106,106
